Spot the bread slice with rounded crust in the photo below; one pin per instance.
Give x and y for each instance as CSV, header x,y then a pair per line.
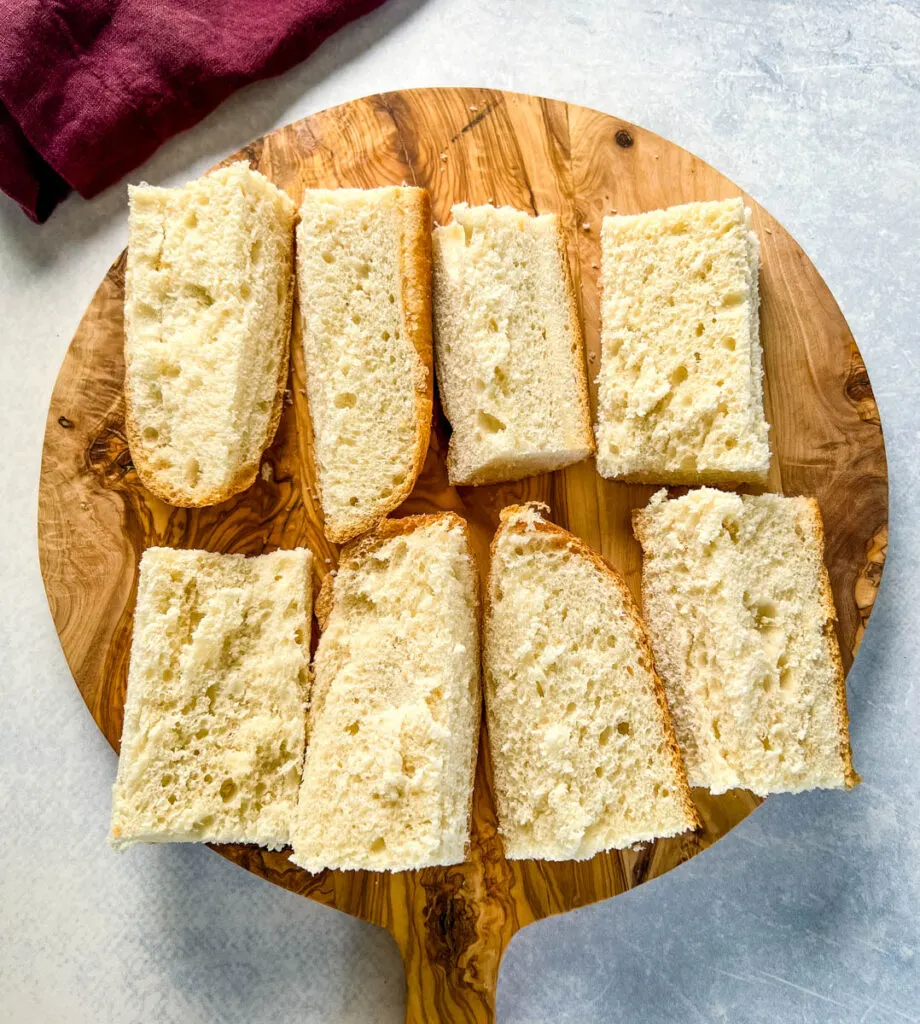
x,y
584,755
509,347
364,291
396,705
208,297
741,614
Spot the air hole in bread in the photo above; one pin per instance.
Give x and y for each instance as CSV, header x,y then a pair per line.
x,y
699,329
729,344
385,335
228,789
540,690
730,443
352,729
356,318
191,220
151,433
488,423
245,291
493,324
623,728
391,297
379,845
170,370
605,735
192,472
353,501
328,257
255,251
679,375
345,400
599,771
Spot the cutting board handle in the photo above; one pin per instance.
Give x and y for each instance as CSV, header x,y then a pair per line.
x,y
451,948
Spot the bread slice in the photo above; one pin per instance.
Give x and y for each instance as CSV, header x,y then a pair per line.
x,y
394,720
364,280
680,389
741,614
583,753
508,346
208,295
213,738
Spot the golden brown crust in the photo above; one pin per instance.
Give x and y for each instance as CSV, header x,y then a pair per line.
x,y
415,298
578,358
579,547
850,776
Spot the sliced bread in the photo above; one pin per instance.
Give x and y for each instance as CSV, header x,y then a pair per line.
x,y
583,753
740,610
680,389
394,719
364,290
208,294
213,738
508,346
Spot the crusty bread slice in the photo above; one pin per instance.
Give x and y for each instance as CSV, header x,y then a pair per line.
x,y
208,294
583,753
680,389
213,738
741,615
364,290
394,719
508,345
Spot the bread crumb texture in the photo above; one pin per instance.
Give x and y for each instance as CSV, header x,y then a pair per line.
x,y
213,738
741,614
395,714
508,346
583,755
208,294
680,388
363,274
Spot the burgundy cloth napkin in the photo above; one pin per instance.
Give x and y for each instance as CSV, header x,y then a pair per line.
x,y
90,88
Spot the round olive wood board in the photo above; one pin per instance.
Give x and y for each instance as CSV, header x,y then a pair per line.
x,y
95,519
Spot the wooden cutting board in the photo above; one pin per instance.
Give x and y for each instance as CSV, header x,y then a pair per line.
x,y
95,519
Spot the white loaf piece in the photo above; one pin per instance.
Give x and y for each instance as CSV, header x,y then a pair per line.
x,y
740,610
394,718
364,290
508,346
583,752
214,729
208,294
680,389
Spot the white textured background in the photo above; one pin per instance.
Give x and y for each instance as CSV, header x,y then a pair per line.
x,y
808,912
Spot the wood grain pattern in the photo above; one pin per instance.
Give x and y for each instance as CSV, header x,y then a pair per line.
x,y
453,924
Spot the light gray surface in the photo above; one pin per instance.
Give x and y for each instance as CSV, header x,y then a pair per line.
x,y
810,910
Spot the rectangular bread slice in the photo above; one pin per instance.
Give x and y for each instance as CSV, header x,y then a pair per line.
x,y
583,752
508,346
740,610
208,294
213,738
364,289
680,389
394,718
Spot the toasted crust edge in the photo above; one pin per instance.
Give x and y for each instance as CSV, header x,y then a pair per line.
x,y
414,205
324,604
578,546
850,776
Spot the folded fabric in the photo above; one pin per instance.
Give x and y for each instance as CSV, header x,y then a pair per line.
x,y
90,88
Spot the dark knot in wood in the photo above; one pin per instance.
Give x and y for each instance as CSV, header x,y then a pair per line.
x,y
450,919
623,138
108,454
65,423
